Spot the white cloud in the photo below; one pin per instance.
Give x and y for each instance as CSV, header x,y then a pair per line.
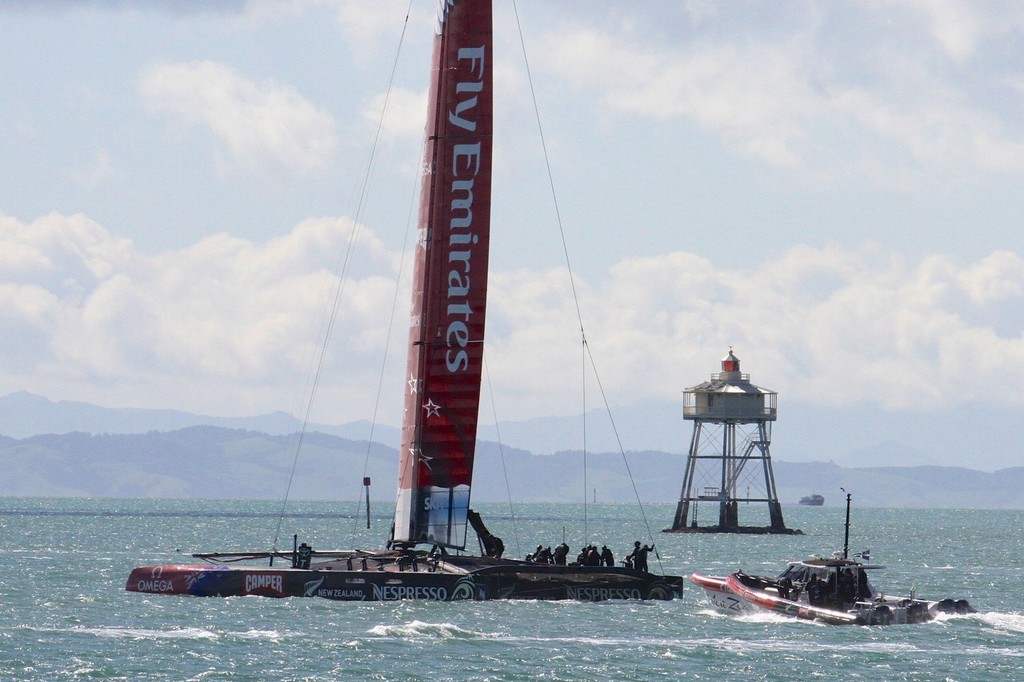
x,y
405,117
367,25
225,324
882,104
228,326
953,24
819,325
262,124
268,11
363,26
994,279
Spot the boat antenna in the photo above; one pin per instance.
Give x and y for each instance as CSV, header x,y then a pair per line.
x,y
846,537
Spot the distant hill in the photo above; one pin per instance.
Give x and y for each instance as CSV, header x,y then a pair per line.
x,y
24,414
218,462
853,436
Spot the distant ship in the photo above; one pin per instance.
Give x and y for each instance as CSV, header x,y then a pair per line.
x,y
813,500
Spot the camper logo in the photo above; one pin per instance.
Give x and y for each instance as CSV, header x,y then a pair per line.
x,y
271,584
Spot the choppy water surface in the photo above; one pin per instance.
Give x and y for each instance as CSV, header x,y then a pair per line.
x,y
64,613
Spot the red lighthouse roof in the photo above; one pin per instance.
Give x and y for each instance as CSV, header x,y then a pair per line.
x,y
730,363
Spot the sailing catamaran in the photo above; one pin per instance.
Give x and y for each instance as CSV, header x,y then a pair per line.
x,y
424,558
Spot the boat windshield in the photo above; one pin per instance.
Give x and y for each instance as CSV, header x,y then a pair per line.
x,y
801,573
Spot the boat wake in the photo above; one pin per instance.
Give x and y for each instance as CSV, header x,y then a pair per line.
x,y
1006,622
767,617
752,617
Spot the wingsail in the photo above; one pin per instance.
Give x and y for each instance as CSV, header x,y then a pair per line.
x,y
449,284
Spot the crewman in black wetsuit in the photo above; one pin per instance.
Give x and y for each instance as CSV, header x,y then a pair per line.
x,y
607,558
863,591
304,556
815,591
639,556
847,587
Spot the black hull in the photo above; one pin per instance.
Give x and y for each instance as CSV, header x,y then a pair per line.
x,y
512,580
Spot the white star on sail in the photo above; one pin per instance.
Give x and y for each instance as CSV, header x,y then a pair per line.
x,y
416,452
432,408
414,384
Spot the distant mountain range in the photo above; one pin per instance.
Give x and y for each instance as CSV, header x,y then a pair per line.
x,y
24,414
93,451
855,435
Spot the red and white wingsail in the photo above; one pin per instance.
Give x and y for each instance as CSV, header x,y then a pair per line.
x,y
449,284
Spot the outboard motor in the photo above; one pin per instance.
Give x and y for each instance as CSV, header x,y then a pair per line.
x,y
881,614
964,606
957,606
917,612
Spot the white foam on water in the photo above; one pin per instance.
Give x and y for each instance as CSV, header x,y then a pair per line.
x,y
421,629
145,633
271,635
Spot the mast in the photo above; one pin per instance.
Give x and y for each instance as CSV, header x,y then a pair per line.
x,y
449,284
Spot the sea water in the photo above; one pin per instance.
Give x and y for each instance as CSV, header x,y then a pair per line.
x,y
64,613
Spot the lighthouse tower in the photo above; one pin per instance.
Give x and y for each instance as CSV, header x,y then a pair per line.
x,y
729,461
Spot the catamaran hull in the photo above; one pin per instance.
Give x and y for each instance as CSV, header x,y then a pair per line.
x,y
492,582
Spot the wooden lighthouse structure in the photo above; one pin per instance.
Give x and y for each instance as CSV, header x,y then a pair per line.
x,y
729,460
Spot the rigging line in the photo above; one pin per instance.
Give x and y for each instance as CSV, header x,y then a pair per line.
x,y
342,276
575,296
387,341
384,355
561,229
398,280
547,166
576,302
618,441
501,452
583,361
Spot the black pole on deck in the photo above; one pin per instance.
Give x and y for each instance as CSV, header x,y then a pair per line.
x,y
366,484
846,538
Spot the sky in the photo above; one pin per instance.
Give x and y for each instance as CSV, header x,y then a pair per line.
x,y
832,189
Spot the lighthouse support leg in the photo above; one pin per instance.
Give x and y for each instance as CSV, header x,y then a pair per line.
x,y
686,494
